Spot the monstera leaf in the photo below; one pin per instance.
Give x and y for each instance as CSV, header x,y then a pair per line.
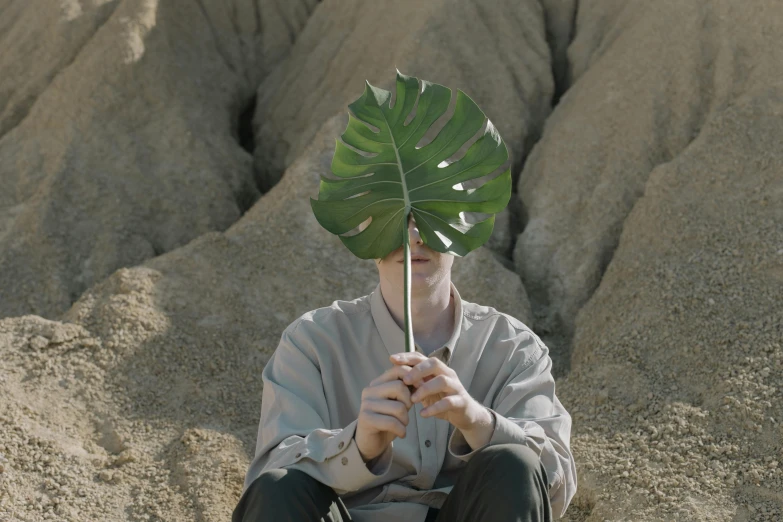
x,y
383,176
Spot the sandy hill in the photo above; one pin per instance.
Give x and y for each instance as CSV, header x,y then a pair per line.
x,y
156,160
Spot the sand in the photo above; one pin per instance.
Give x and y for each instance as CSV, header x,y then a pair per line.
x,y
156,161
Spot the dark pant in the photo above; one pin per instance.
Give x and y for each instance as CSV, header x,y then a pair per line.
x,y
503,483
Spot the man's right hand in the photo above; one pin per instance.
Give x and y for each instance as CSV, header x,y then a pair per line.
x,y
383,415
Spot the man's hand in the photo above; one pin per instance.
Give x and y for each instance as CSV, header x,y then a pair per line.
x,y
383,415
439,389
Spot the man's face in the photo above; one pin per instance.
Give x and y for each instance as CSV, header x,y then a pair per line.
x,y
428,267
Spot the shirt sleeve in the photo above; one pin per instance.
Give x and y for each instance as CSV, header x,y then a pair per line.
x,y
528,412
293,432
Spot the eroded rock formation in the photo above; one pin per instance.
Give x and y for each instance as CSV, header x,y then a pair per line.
x,y
156,237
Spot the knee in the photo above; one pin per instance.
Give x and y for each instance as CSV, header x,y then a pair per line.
x,y
279,494
279,484
510,480
509,464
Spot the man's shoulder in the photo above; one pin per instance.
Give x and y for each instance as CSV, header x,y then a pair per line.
x,y
479,312
337,313
495,320
513,332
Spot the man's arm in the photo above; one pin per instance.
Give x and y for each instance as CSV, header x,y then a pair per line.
x,y
381,464
293,431
480,435
527,411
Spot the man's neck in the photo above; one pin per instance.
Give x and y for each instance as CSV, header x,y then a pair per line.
x,y
432,313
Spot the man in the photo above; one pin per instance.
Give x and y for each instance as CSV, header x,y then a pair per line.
x,y
341,437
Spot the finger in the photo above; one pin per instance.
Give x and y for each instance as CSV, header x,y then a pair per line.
x,y
386,423
439,384
392,374
395,372
430,366
442,406
392,408
409,358
389,390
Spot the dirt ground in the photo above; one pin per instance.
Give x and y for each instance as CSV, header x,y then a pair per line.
x,y
156,237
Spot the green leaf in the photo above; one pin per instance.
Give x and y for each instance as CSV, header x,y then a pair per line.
x,y
383,176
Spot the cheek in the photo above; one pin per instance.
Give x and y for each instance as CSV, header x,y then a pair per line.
x,y
446,261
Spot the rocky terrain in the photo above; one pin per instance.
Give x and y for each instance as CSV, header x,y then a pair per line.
x,y
156,236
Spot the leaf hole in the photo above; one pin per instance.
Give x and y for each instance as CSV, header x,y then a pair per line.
x,y
463,188
359,229
331,176
473,184
393,97
359,195
478,182
438,124
412,114
464,148
360,152
446,241
471,218
370,126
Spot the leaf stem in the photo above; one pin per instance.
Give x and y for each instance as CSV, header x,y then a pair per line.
x,y
406,296
409,344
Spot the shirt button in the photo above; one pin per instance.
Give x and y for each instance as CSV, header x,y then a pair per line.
x,y
341,444
345,461
427,443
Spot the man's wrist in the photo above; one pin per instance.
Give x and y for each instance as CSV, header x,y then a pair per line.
x,y
363,456
370,463
358,448
481,433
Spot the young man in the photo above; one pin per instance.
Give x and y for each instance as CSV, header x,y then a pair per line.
x,y
342,438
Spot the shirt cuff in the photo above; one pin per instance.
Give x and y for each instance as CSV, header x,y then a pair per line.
x,y
337,463
349,468
508,432
459,447
381,464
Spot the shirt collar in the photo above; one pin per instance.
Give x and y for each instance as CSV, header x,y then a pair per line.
x,y
394,337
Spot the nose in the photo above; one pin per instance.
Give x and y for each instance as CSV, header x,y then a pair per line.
x,y
413,231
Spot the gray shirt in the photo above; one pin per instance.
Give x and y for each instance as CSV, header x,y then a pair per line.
x,y
312,388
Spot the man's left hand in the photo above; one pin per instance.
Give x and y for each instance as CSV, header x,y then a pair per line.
x,y
439,389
